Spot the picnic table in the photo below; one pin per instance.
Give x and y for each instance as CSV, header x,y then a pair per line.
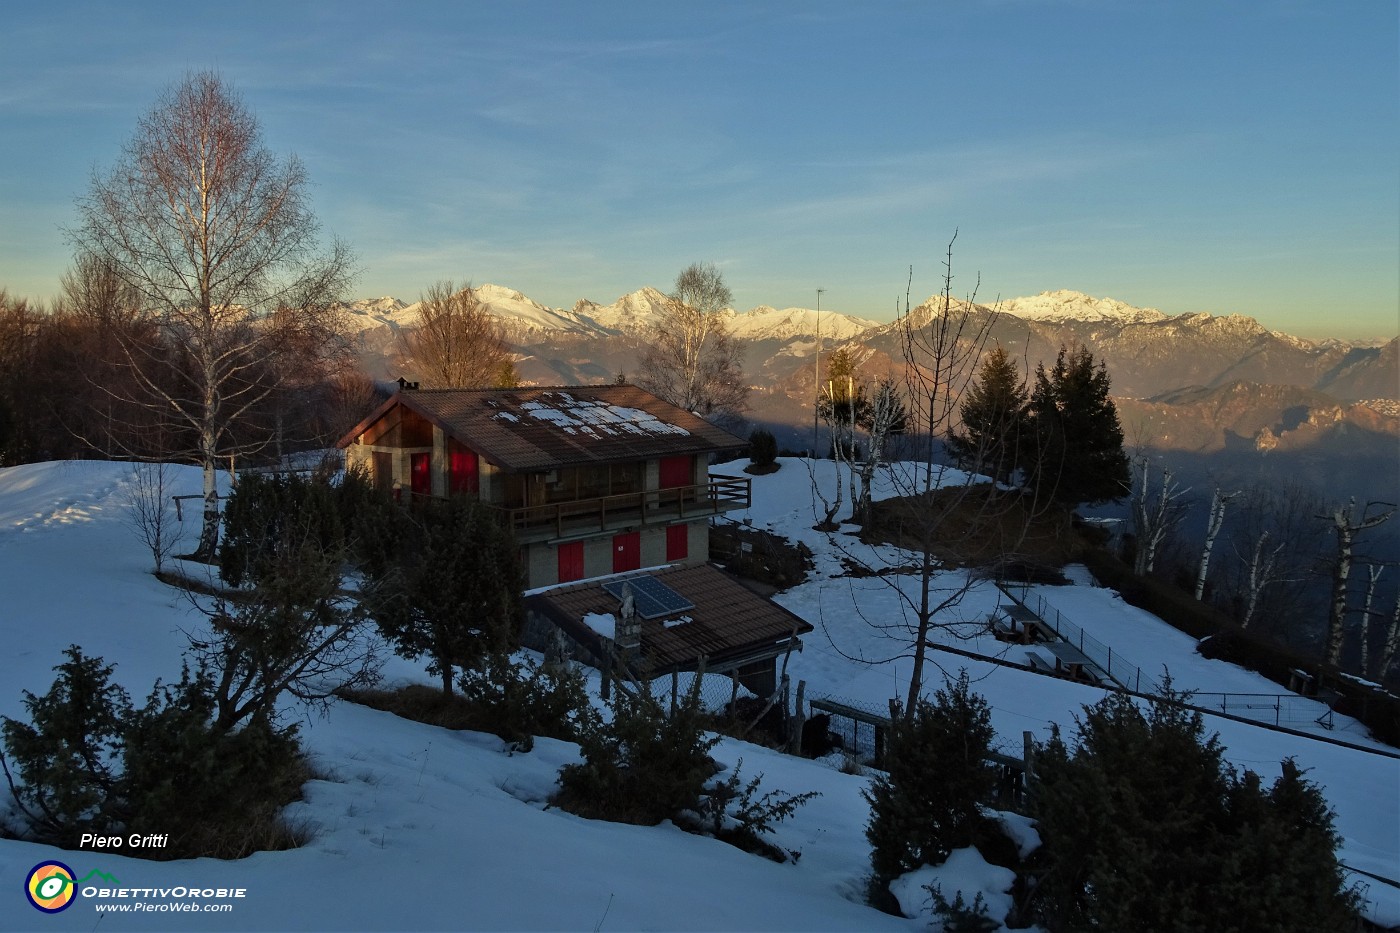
x,y
1016,623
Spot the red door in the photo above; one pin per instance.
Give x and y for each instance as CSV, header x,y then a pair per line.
x,y
677,542
420,477
571,561
627,551
676,471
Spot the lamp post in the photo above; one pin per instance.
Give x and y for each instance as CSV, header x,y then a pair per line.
x,y
817,380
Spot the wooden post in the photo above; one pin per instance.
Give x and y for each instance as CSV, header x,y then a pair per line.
x,y
882,736
675,688
799,717
1028,756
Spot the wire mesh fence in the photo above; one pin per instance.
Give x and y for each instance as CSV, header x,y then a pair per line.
x,y
1118,668
1279,709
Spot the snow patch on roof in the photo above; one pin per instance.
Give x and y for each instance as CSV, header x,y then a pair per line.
x,y
595,418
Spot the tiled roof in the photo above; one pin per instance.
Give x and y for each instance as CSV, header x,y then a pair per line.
x,y
530,429
728,622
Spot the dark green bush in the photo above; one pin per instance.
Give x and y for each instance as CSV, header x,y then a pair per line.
x,y
214,793
90,763
451,593
643,766
732,811
763,448
763,453
1145,827
928,803
67,760
520,701
269,515
958,916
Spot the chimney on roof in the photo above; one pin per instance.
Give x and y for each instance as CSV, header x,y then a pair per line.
x,y
405,385
628,634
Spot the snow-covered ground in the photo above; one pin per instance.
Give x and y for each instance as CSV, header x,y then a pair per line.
x,y
419,828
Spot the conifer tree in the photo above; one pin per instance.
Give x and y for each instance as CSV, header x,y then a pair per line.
x,y
67,760
454,593
843,404
993,414
1075,445
927,804
1146,827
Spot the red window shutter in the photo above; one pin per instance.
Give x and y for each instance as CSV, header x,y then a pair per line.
x,y
676,472
421,478
677,542
463,471
627,551
571,561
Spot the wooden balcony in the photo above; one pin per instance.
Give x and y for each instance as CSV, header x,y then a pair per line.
x,y
652,507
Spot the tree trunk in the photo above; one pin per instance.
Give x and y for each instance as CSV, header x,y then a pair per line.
x,y
1341,572
1347,523
1217,518
209,527
1261,566
1374,577
1392,643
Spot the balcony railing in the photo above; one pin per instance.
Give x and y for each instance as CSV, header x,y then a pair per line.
x,y
652,506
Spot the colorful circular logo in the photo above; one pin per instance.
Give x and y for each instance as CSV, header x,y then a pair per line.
x,y
50,887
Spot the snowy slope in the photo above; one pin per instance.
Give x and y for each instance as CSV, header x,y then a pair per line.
x,y
527,315
1363,788
418,828
1064,305
767,323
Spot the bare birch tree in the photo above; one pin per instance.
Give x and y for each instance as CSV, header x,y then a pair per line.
x,y
1218,500
1373,578
457,344
692,359
1277,543
218,239
1154,514
1392,643
885,417
1347,521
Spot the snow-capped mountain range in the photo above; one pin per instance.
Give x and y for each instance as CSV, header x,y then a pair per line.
x,y
1064,305
633,315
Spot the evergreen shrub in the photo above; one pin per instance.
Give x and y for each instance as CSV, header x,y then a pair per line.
x,y
643,766
929,801
1145,827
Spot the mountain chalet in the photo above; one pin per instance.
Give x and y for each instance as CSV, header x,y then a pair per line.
x,y
594,482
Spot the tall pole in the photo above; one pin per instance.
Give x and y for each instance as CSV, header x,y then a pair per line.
x,y
817,380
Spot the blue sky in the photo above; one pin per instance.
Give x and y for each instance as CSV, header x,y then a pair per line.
x,y
1239,157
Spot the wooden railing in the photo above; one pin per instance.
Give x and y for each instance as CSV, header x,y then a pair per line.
x,y
652,506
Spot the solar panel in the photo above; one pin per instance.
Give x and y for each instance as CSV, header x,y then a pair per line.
x,y
652,598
